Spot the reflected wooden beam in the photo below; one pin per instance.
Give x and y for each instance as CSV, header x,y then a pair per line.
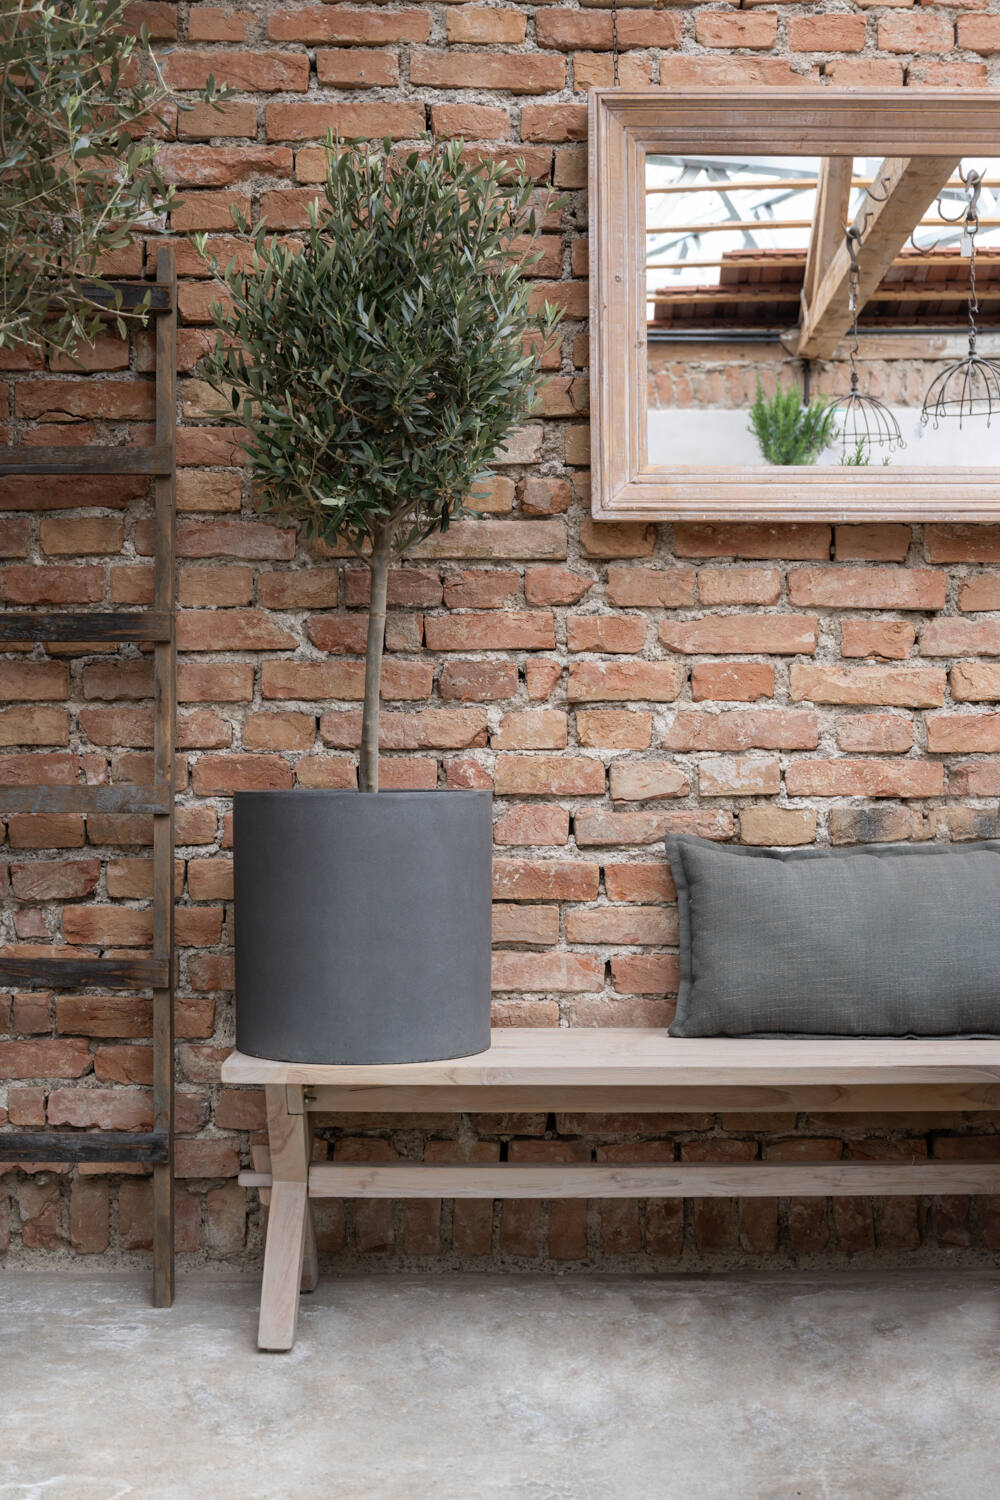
x,y
833,202
909,185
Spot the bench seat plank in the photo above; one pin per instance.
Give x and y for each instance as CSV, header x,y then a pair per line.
x,y
634,1057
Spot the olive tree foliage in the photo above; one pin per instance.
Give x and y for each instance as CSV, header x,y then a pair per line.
x,y
380,361
76,180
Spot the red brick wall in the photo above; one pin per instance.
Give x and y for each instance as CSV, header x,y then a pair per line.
x,y
770,684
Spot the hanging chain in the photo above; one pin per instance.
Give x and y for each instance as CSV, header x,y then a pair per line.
x,y
854,286
614,39
974,182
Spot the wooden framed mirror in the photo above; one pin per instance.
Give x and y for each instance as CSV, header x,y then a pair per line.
x,y
721,273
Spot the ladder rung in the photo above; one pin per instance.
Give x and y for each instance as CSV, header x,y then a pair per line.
x,y
94,460
135,625
151,1146
132,294
84,799
71,973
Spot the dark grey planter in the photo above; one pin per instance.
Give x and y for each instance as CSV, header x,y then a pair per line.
x,y
362,925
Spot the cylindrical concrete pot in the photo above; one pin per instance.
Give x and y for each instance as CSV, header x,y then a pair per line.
x,y
362,925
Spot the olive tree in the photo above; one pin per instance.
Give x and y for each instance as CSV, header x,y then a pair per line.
x,y
380,361
76,177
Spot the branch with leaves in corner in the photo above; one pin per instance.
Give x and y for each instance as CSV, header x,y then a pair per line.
x,y
76,180
380,364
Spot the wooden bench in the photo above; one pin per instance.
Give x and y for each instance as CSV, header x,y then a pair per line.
x,y
596,1070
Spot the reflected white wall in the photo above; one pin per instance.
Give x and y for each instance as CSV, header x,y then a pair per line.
x,y
686,435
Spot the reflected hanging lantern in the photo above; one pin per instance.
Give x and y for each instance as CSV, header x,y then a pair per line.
x,y
866,422
970,387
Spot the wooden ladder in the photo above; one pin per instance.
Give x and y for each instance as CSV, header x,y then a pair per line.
x,y
154,970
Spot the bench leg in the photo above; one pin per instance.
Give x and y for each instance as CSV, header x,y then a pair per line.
x,y
290,1248
283,1255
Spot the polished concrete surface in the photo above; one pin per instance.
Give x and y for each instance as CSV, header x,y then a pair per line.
x,y
505,1388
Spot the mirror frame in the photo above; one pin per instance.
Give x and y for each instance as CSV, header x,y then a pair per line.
x,y
624,124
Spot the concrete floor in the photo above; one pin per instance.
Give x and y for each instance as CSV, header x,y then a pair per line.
x,y
517,1388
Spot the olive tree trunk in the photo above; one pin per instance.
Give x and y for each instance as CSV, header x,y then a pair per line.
x,y
378,564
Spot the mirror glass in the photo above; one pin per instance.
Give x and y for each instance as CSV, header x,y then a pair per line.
x,y
737,244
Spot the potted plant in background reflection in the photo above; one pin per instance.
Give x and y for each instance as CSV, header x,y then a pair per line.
x,y
788,430
377,367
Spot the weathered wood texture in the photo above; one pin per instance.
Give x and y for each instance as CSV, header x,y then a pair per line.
x,y
626,123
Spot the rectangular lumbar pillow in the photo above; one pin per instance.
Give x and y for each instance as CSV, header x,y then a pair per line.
x,y
882,940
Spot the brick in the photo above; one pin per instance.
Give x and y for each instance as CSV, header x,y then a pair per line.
x,y
962,543
978,34
55,880
321,23
65,537
743,729
231,630
782,826
31,584
481,24
201,490
34,726
721,28
45,831
215,682
33,681
952,637
739,585
474,122
430,729
527,823
652,588
41,1214
963,732
891,639
628,925
616,538
979,591
277,730
902,687
975,681
643,780
832,33
244,70
306,681
639,882
45,1059
872,542
921,33
372,120
507,630
791,541
594,70
743,682
57,400
224,774
868,588
531,729
541,677
753,634
554,122
545,879
498,541
543,496
645,974
874,732
230,117
864,778
555,585
740,776
570,29
218,167
357,68
210,23
643,681
614,729
480,588
516,73
608,633
549,775
478,681
552,972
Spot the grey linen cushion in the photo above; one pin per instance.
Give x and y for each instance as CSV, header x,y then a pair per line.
x,y
883,940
